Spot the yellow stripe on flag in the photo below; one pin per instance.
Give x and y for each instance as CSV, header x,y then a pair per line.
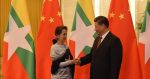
x,y
21,10
20,7
87,8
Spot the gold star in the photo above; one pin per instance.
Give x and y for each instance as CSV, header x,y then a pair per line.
x,y
51,20
121,16
59,13
42,18
112,15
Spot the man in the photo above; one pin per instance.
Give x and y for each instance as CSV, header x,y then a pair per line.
x,y
106,53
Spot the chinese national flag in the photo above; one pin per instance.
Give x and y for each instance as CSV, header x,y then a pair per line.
x,y
50,19
122,26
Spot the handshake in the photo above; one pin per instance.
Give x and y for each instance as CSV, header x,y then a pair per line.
x,y
76,61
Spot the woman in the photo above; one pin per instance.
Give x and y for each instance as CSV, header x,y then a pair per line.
x,y
62,63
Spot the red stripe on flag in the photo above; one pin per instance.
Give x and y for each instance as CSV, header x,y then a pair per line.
x,y
82,72
145,66
13,68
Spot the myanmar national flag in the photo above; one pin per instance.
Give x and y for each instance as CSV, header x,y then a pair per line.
x,y
144,43
82,35
18,50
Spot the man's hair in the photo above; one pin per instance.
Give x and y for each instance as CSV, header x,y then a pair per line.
x,y
102,20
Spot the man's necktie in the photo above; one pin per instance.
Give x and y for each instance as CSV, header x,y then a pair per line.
x,y
99,41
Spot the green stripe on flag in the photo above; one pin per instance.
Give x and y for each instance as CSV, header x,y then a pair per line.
x,y
7,28
74,23
148,7
15,17
30,41
87,50
143,27
82,15
27,59
95,35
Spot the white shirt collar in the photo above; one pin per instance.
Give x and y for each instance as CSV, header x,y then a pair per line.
x,y
104,35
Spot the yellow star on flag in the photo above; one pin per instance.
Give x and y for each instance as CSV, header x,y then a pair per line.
x,y
121,16
112,15
42,18
51,20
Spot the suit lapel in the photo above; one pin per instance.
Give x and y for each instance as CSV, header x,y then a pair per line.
x,y
95,44
104,41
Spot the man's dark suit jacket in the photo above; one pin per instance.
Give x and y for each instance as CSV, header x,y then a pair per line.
x,y
105,59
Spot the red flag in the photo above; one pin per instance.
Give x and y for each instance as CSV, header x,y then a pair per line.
x,y
50,19
122,26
